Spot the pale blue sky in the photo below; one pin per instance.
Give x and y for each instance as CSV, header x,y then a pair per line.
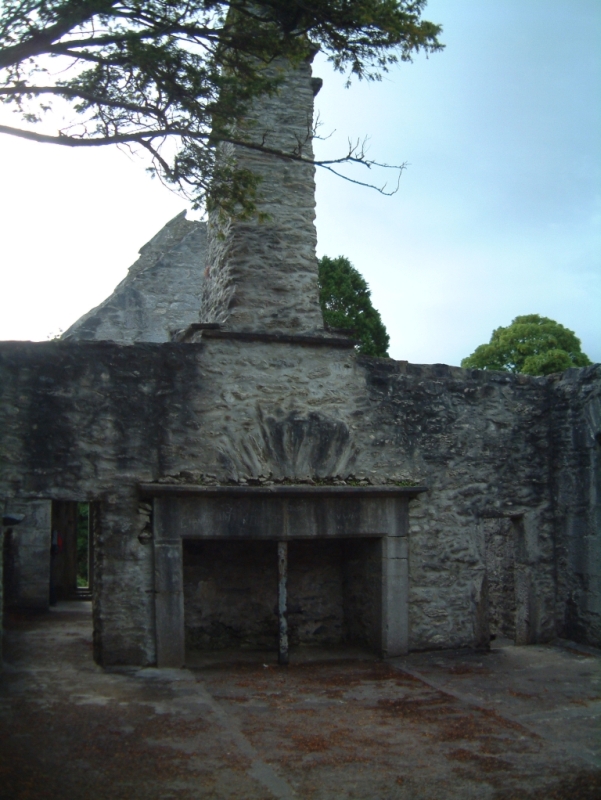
x,y
498,213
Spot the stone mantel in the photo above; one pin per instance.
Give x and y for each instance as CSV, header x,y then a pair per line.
x,y
279,513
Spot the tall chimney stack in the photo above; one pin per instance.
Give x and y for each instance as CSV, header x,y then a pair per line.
x,y
262,275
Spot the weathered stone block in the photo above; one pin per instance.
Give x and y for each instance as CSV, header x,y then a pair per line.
x,y
27,554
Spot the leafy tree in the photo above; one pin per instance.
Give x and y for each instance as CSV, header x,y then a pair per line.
x,y
141,72
533,345
345,301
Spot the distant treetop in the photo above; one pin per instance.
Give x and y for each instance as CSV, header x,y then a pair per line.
x,y
346,304
533,345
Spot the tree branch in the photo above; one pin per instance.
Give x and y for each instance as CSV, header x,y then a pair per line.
x,y
75,141
144,138
65,91
38,43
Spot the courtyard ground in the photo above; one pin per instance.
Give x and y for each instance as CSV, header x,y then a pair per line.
x,y
517,723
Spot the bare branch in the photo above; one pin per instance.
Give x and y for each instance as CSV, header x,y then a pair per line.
x,y
379,189
144,139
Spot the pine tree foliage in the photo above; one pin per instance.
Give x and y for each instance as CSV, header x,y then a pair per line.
x,y
141,73
346,304
533,345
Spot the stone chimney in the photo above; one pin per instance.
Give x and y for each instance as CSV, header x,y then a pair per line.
x,y
262,275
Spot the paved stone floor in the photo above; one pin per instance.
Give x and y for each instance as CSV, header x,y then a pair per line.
x,y
518,723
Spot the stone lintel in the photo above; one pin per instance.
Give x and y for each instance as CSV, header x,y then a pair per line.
x,y
261,515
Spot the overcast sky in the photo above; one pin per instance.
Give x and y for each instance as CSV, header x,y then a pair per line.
x,y
498,212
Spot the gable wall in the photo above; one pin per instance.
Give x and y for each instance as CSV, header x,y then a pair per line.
x,y
158,295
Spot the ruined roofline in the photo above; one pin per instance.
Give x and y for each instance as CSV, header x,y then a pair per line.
x,y
160,291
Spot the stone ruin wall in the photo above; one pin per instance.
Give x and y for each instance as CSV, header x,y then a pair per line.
x,y
489,446
576,489
511,462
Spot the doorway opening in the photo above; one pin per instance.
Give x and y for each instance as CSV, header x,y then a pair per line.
x,y
83,546
71,568
9,572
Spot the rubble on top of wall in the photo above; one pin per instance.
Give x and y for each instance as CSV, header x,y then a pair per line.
x,y
200,479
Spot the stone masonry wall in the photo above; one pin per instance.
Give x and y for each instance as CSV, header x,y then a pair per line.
x,y
262,274
27,547
576,426
480,442
160,294
89,421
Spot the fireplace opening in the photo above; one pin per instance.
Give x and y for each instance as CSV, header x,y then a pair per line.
x,y
231,596
230,592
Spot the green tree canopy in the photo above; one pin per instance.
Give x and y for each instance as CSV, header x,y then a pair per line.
x,y
142,72
345,301
533,345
